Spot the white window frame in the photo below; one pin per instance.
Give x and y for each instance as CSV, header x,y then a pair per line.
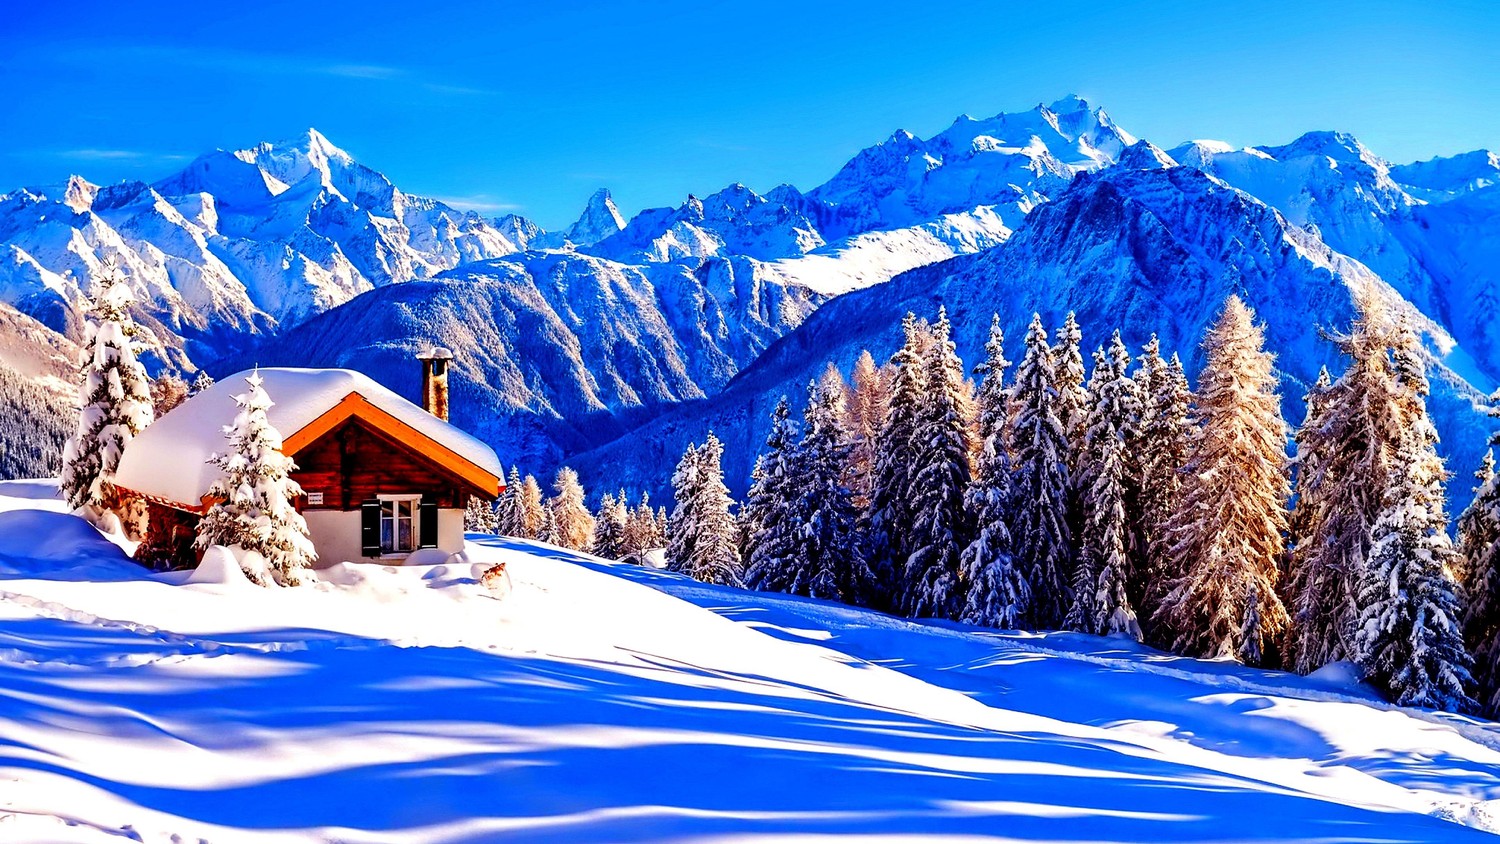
x,y
416,524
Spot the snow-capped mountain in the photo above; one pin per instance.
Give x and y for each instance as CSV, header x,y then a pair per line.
x,y
236,243
581,335
1154,248
1429,229
600,219
555,352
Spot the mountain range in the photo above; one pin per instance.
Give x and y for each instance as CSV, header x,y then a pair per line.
x,y
613,342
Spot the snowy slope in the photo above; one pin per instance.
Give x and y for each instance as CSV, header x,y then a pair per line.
x,y
602,702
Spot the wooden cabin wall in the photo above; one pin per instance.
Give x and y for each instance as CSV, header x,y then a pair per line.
x,y
354,463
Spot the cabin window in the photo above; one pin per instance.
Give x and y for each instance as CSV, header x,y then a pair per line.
x,y
398,523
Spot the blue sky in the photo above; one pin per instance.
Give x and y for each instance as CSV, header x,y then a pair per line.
x,y
530,108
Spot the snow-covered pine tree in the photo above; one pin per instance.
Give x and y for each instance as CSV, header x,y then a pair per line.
x,y
682,530
826,509
510,515
889,523
570,515
1410,638
533,510
1039,522
1476,529
1072,409
703,541
202,381
941,525
610,527
1072,395
253,502
546,528
1101,603
818,517
1084,609
998,595
1232,509
769,533
1310,447
641,531
1359,422
1164,438
115,405
868,400
1252,645
1479,543
479,516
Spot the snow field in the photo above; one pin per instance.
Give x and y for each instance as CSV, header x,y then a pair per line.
x,y
606,702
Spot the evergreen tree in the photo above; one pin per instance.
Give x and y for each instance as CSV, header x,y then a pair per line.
x,y
641,530
941,522
1476,530
1311,447
1072,411
1039,524
869,398
891,516
1409,638
818,517
769,547
610,527
202,381
253,505
573,523
1232,508
1350,446
1479,543
546,528
479,516
1101,603
1072,396
703,541
510,513
998,595
1165,436
115,406
534,512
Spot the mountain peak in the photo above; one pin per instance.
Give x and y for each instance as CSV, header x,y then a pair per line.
x,y
1068,105
600,219
317,142
1339,146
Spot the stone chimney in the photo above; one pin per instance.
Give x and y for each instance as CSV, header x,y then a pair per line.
x,y
435,380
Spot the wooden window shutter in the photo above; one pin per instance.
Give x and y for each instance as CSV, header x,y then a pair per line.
x,y
427,529
369,527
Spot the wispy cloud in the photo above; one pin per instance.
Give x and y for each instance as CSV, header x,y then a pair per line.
x,y
458,90
482,202
226,61
101,154
363,71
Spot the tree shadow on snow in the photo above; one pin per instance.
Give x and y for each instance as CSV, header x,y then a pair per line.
x,y
555,750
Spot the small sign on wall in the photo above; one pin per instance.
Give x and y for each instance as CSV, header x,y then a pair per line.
x,y
315,498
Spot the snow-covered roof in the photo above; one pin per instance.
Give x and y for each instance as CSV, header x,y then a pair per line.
x,y
169,460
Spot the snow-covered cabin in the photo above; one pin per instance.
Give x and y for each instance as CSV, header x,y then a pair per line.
x,y
382,478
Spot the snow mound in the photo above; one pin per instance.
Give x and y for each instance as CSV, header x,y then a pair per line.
x,y
59,544
219,568
1338,675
